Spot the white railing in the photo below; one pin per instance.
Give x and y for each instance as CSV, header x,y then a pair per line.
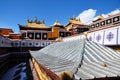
x,y
75,37
31,43
107,36
5,42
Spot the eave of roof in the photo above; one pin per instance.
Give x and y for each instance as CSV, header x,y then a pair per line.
x,y
43,72
7,29
21,27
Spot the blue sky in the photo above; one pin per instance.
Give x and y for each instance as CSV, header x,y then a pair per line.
x,y
14,12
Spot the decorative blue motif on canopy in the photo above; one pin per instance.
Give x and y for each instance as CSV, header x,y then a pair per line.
x,y
110,36
90,38
98,37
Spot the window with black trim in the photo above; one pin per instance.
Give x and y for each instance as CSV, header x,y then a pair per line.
x,y
44,36
68,34
97,25
30,35
116,19
93,26
109,21
37,35
102,23
61,34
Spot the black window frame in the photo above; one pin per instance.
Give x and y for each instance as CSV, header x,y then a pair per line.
x,y
36,35
109,20
117,20
96,24
102,23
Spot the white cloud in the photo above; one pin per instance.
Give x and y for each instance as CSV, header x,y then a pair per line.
x,y
107,15
87,16
111,13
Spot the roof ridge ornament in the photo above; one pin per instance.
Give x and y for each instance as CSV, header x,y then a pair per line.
x,y
28,20
75,20
100,16
35,19
43,21
56,23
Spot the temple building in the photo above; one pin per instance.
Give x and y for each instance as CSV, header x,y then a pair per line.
x,y
76,51
5,32
103,30
76,26
37,30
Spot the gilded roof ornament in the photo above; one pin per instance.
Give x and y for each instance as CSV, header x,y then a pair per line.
x,y
75,21
56,23
35,23
70,18
28,20
35,19
74,17
43,21
100,17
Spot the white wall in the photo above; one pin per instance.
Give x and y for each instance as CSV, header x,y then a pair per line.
x,y
109,36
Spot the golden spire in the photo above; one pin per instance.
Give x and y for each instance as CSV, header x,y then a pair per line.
x,y
35,19
43,21
56,23
28,20
74,17
100,17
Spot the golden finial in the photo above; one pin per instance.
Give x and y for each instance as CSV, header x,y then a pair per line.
x,y
70,18
43,21
28,20
35,19
100,16
56,23
74,17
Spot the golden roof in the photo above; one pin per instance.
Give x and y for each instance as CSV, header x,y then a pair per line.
x,y
35,23
100,17
75,21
